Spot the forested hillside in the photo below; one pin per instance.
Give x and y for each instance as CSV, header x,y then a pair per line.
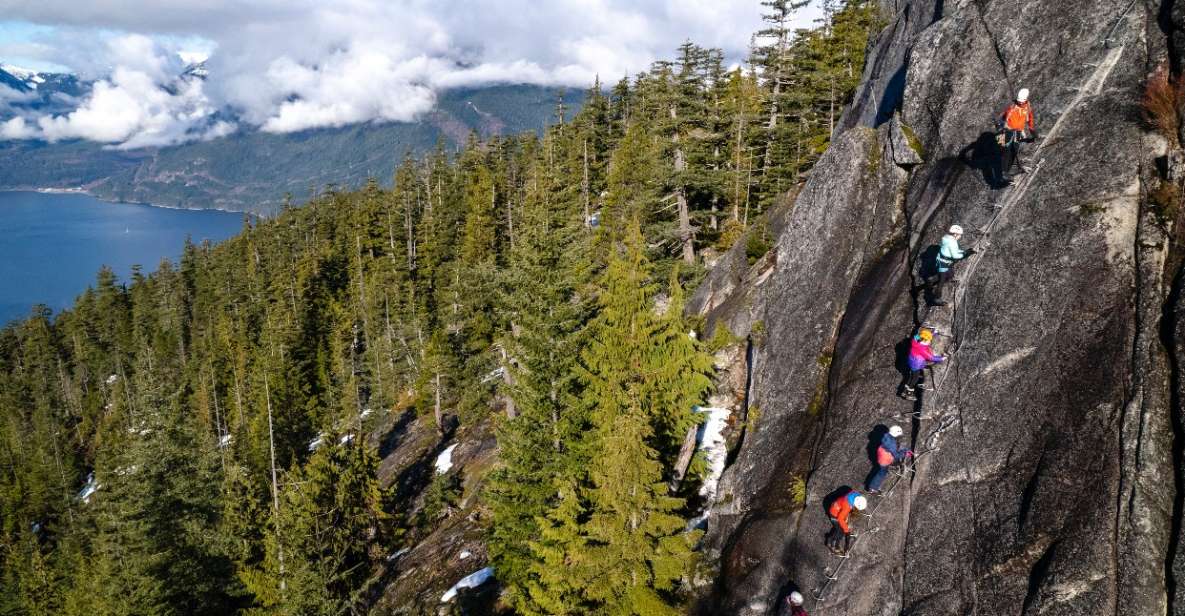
x,y
201,439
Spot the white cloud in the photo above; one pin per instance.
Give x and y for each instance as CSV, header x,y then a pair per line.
x,y
143,103
17,128
290,65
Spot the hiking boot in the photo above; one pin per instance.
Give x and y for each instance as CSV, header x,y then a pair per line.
x,y
910,397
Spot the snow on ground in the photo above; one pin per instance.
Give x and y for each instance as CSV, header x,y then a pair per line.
x,y
224,441
710,440
444,461
317,442
346,439
89,489
366,413
465,554
473,580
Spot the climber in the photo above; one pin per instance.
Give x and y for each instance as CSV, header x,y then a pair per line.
x,y
794,605
888,453
1015,125
920,356
948,253
840,511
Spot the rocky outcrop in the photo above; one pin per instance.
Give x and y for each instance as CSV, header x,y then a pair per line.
x,y
1051,479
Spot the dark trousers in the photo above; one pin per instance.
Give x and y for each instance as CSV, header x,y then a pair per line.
x,y
836,538
915,377
878,478
935,283
1011,153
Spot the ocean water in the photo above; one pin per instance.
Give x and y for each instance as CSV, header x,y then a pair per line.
x,y
52,244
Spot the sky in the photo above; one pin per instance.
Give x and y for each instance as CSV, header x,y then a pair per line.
x,y
292,65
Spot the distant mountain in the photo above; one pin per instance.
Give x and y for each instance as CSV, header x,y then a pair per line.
x,y
253,170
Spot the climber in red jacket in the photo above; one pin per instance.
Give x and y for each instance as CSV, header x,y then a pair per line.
x,y
840,512
1016,124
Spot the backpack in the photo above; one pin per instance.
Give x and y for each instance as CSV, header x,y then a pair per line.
x,y
883,457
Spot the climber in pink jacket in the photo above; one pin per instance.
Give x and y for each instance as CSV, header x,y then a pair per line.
x,y
920,356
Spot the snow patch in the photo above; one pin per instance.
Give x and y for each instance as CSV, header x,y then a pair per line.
x,y
473,580
710,440
89,489
444,461
224,442
493,374
113,378
346,439
317,442
1009,359
366,413
464,554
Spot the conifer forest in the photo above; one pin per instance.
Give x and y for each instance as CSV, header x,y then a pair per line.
x,y
206,438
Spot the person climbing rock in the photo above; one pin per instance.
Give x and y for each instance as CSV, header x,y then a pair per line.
x,y
888,453
839,538
921,355
794,605
948,253
1015,125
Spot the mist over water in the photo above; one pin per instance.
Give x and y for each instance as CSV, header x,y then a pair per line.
x,y
52,245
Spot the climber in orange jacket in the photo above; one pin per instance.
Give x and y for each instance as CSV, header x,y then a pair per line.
x,y
840,512
1015,125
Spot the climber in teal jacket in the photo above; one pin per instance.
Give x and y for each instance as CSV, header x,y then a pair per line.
x,y
949,253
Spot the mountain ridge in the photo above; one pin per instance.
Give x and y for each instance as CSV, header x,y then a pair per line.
x,y
251,170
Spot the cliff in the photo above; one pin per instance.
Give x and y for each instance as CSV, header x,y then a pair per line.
x,y
1051,478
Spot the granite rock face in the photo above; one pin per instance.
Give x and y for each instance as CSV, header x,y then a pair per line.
x,y
1051,482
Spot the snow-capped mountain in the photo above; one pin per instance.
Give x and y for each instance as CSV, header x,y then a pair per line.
x,y
245,169
23,90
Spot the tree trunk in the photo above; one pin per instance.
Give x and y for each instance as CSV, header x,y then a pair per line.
x,y
438,413
684,459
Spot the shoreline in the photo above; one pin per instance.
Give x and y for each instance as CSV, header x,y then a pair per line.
x,y
83,191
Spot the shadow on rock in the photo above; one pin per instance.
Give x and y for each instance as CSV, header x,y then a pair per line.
x,y
985,156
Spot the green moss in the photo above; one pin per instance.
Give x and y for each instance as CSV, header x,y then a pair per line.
x,y
1166,202
819,400
874,155
758,241
721,339
752,418
798,491
757,333
914,143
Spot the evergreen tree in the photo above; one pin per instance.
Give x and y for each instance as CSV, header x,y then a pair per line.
x,y
641,383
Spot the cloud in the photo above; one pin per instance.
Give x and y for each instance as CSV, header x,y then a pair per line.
x,y
143,103
291,65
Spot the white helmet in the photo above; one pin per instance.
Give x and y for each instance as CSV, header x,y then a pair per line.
x,y
860,502
895,431
1022,96
796,598
955,230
